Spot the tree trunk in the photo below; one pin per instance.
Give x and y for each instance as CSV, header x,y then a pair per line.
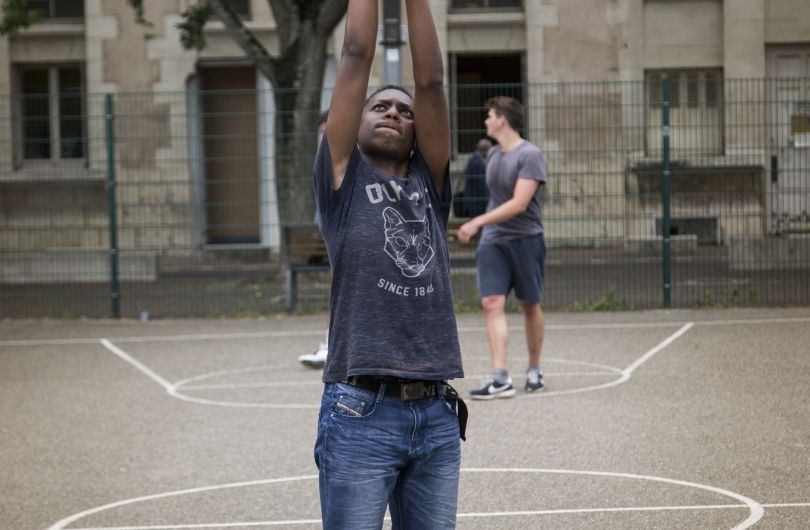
x,y
304,29
296,145
298,101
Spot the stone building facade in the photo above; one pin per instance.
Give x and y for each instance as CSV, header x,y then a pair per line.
x,y
609,56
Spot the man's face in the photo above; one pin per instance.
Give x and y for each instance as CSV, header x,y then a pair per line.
x,y
387,125
493,123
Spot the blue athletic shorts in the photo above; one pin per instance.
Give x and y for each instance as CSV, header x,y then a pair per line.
x,y
517,264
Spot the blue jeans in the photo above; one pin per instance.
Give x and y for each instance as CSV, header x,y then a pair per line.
x,y
374,450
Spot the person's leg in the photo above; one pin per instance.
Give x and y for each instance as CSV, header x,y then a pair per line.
x,y
494,284
426,494
494,307
535,330
528,259
362,443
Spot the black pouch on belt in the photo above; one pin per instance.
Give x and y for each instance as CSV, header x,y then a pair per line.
x,y
461,412
462,419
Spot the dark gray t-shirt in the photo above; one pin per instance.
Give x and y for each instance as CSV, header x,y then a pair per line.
x,y
503,169
391,307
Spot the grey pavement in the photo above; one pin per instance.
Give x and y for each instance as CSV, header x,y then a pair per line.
x,y
658,419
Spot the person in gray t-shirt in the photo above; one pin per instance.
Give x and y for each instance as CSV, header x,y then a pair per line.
x,y
390,425
511,253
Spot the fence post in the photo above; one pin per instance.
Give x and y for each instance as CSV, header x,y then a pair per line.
x,y
115,296
665,193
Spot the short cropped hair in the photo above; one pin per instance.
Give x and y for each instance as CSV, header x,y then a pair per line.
x,y
390,87
509,108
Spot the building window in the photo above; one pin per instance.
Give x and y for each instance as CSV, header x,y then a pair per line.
x,y
58,8
241,7
51,113
486,4
695,117
475,79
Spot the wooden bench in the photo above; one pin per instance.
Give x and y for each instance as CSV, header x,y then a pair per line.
x,y
305,251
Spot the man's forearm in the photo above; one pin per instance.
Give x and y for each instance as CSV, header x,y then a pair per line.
x,y
502,213
428,68
360,39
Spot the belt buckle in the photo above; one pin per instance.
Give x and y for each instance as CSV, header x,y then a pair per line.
x,y
411,391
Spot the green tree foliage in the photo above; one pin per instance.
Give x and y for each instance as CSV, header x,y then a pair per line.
x,y
17,16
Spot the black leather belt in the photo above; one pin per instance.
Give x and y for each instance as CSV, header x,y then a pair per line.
x,y
407,390
404,390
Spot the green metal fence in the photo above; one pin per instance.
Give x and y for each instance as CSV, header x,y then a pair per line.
x,y
660,194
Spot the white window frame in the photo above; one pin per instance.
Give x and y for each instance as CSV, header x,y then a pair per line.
x,y
247,15
51,14
485,4
54,116
696,110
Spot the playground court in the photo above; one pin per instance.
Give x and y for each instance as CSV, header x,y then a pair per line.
x,y
681,419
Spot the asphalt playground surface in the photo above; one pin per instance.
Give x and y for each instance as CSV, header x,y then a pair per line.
x,y
681,419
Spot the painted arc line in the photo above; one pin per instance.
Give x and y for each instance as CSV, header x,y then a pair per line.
x,y
626,374
172,390
184,383
176,392
630,509
237,386
231,371
756,510
60,525
469,515
244,404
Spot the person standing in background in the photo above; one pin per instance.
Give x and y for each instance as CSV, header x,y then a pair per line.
x,y
511,252
473,200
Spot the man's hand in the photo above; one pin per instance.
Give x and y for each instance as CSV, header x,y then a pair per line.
x,y
467,231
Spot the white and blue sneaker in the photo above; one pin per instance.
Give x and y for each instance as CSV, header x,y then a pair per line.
x,y
492,390
534,381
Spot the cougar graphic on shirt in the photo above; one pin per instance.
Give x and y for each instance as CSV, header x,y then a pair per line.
x,y
407,242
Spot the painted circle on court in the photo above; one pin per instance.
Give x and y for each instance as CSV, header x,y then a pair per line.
x,y
755,509
182,389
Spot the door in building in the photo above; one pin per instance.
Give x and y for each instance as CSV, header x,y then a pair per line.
x,y
789,97
477,78
229,125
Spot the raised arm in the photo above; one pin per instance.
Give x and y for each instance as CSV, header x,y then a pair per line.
x,y
351,84
431,112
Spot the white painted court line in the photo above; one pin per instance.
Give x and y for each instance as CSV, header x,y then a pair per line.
x,y
318,382
171,388
60,525
230,371
649,355
626,374
756,510
320,332
138,364
468,515
185,384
